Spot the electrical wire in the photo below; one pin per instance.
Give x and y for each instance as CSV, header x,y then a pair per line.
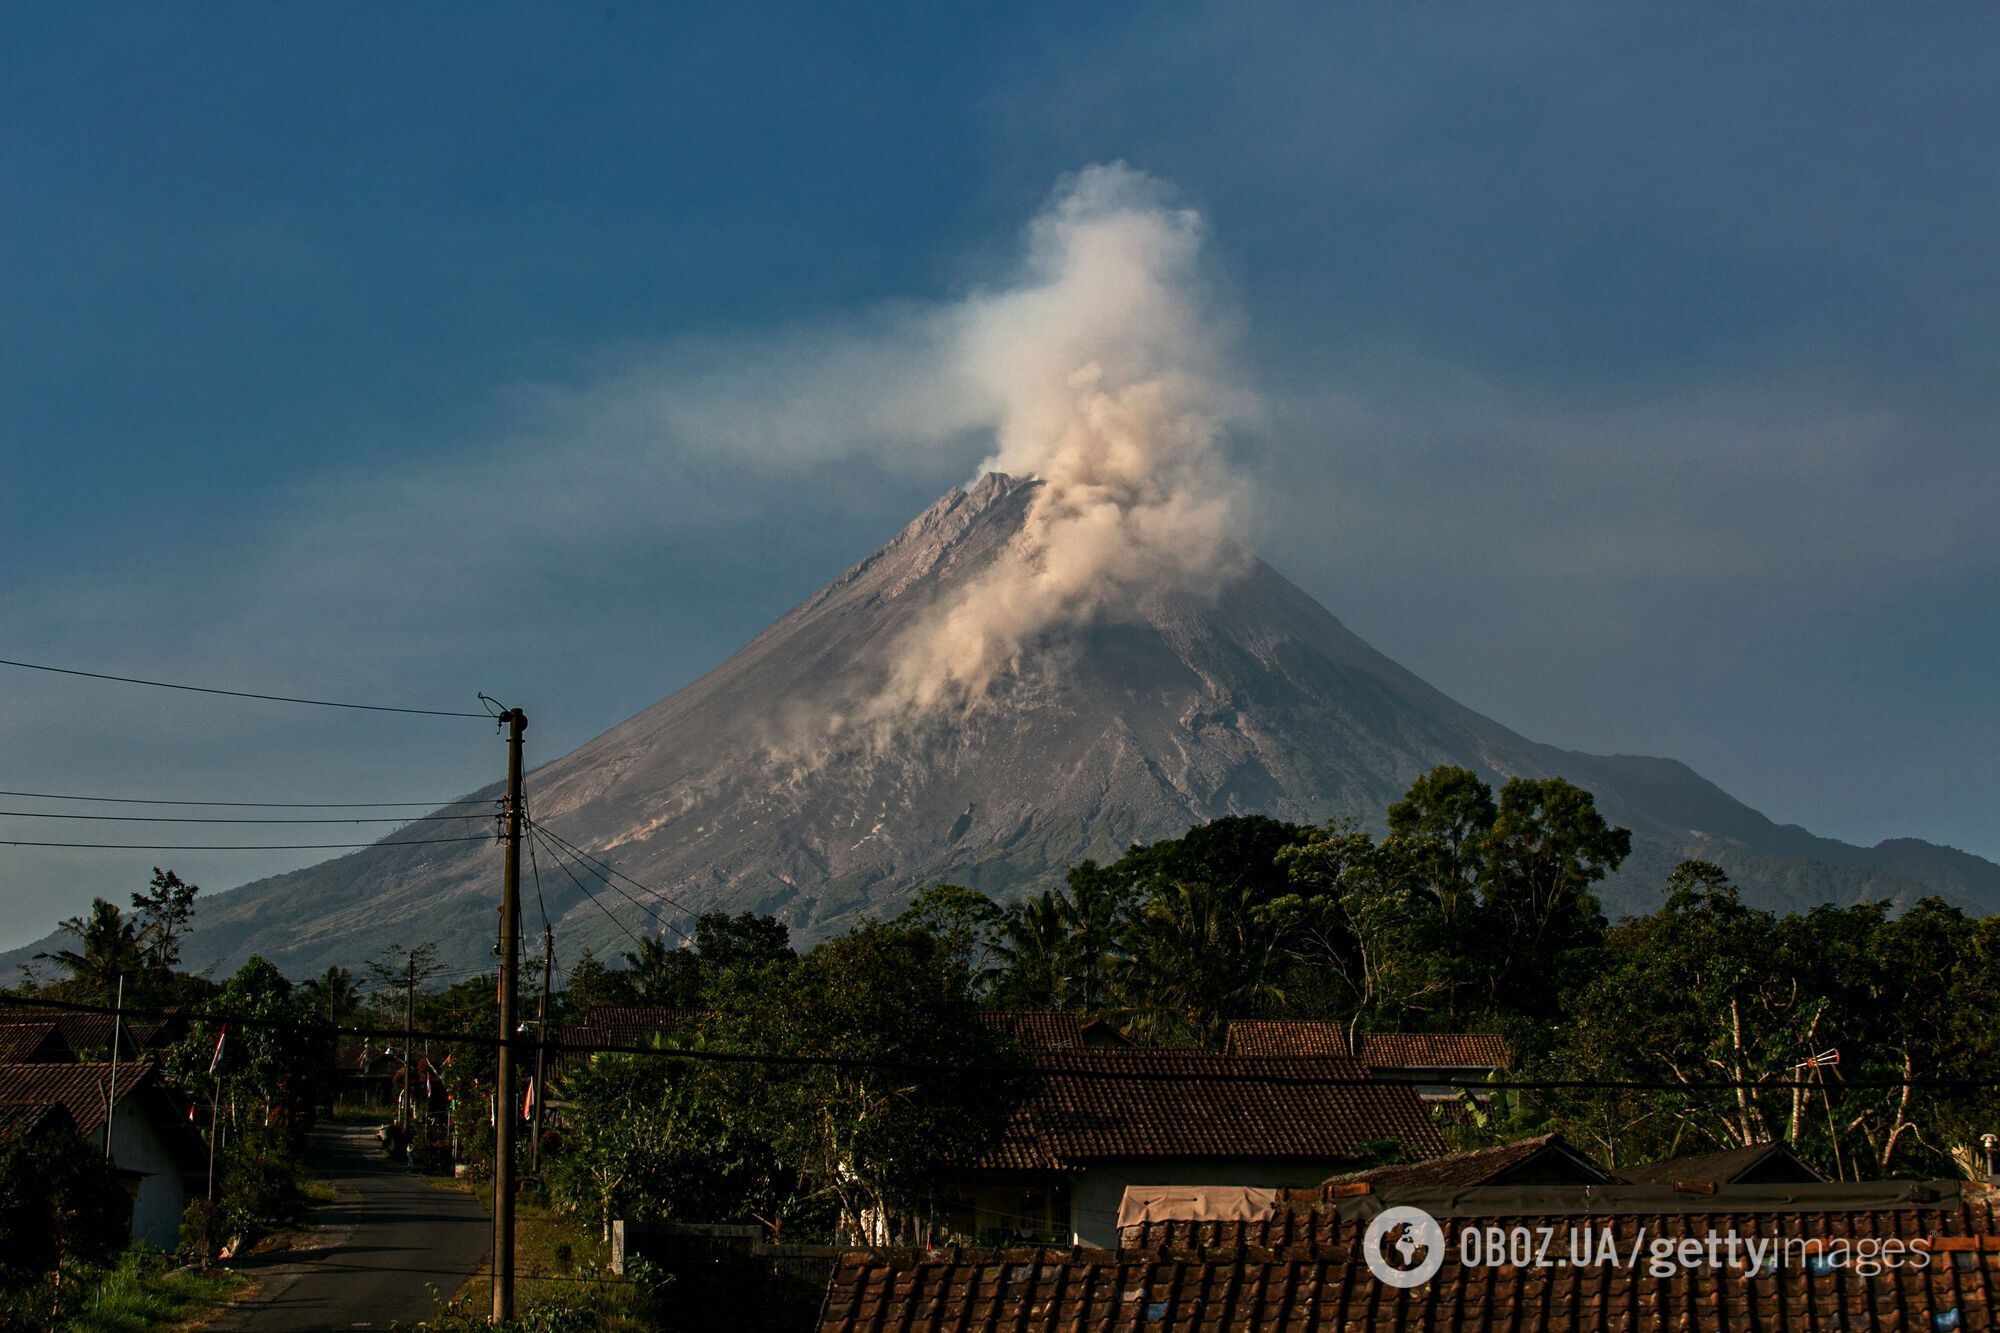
x,y
243,694
254,805
636,943
258,819
613,870
1103,1074
650,910
535,866
239,847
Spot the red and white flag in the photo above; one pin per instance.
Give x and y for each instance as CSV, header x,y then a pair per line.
x,y
215,1061
528,1102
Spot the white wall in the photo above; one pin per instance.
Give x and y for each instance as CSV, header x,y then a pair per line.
x,y
156,1215
1096,1192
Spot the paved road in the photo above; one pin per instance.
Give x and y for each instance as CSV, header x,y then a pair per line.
x,y
386,1236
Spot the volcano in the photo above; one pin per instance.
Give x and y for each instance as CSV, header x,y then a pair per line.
x,y
746,790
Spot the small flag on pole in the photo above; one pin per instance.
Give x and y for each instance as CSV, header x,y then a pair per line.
x,y
215,1061
528,1102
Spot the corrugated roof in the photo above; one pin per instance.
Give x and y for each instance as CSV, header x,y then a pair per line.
x,y
1434,1050
1285,1037
1189,1103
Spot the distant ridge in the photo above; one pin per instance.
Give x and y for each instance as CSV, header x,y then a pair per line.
x,y
732,793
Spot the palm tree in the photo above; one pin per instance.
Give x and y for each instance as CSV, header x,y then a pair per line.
x,y
110,950
1031,943
1203,953
335,995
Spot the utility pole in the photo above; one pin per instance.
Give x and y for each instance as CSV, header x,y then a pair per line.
x,y
541,1052
407,1111
510,948
111,1091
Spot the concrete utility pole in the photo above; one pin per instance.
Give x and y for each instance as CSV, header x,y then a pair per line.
x,y
541,1052
504,1112
406,1113
111,1089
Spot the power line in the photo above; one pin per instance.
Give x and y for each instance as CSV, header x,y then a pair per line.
x,y
650,910
554,856
217,819
609,869
1329,1080
540,905
238,847
253,805
242,694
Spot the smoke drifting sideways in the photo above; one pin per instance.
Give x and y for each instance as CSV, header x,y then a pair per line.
x,y
1105,372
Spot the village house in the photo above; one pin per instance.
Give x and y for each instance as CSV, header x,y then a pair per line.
x,y
1100,1119
158,1155
1440,1063
1302,1265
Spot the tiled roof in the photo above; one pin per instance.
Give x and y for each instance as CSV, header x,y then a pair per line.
x,y
87,1034
1050,1030
629,1024
1323,1284
1094,1105
1270,1037
79,1087
22,1043
1547,1158
1434,1050
18,1119
1762,1162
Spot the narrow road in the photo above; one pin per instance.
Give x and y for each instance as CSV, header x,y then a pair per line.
x,y
375,1248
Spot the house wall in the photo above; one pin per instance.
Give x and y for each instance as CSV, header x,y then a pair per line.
x,y
1096,1191
136,1146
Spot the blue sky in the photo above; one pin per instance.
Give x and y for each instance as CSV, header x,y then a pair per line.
x,y
1629,371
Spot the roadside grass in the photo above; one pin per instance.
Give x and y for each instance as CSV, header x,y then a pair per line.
x,y
562,1277
350,1113
141,1294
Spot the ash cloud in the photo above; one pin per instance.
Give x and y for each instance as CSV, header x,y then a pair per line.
x,y
1105,373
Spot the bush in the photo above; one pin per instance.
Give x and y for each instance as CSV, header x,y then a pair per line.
x,y
62,1211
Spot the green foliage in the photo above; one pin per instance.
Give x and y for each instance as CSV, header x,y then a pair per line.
x,y
166,913
875,1140
1707,988
654,1140
141,1293
62,1210
277,1056
107,948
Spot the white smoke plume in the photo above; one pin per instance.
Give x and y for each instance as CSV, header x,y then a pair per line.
x,y
1105,371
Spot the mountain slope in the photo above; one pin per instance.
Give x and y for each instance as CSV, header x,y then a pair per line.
x,y
737,792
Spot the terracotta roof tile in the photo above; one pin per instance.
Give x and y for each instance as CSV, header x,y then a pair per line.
x,y
80,1088
1050,1030
24,1043
1284,1037
22,1118
1318,1281
1434,1050
1771,1162
87,1034
1547,1157
1188,1103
